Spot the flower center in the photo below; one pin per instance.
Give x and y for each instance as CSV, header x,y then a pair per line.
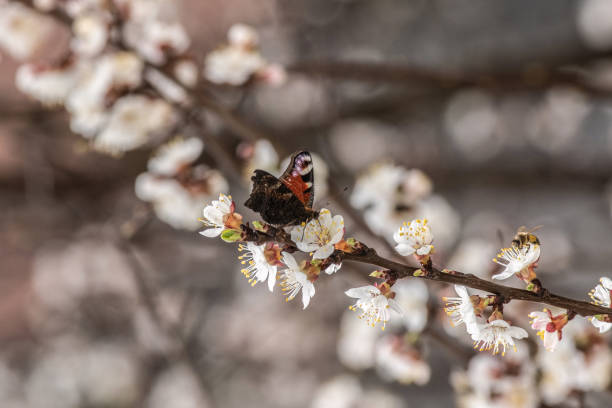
x,y
551,327
323,236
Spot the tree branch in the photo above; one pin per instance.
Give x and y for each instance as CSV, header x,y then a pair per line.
x,y
367,255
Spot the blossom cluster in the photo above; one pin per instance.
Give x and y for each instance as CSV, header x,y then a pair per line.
x,y
320,237
389,194
176,186
123,80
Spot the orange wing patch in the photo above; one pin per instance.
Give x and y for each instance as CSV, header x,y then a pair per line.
x,y
298,187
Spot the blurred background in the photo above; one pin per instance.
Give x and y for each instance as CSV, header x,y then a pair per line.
x,y
110,301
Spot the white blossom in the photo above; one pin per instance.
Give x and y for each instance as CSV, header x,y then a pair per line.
x,y
412,238
381,180
50,86
186,72
235,63
97,78
170,158
582,361
294,280
215,214
497,336
373,304
132,120
173,203
22,31
90,34
356,342
257,269
319,235
412,295
242,35
152,34
232,65
601,296
493,382
515,259
461,310
333,268
399,362
547,331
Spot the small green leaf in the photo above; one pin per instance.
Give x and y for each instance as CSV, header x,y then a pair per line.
x,y
231,235
259,226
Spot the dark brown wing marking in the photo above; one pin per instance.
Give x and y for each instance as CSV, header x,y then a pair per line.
x,y
275,202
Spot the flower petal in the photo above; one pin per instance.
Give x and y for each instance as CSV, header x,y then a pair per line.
x,y
323,252
212,232
272,278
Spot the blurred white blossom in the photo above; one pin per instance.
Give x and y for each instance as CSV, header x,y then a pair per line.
x,y
593,22
582,361
411,295
177,387
397,361
186,72
554,125
22,31
339,392
131,122
473,255
236,62
170,158
356,342
177,204
153,32
90,34
50,86
493,382
72,373
471,118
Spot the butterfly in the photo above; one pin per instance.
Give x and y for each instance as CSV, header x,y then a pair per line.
x,y
286,200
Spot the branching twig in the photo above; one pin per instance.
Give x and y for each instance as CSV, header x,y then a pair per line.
x,y
369,256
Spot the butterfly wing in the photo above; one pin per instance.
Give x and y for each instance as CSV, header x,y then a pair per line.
x,y
275,202
299,177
